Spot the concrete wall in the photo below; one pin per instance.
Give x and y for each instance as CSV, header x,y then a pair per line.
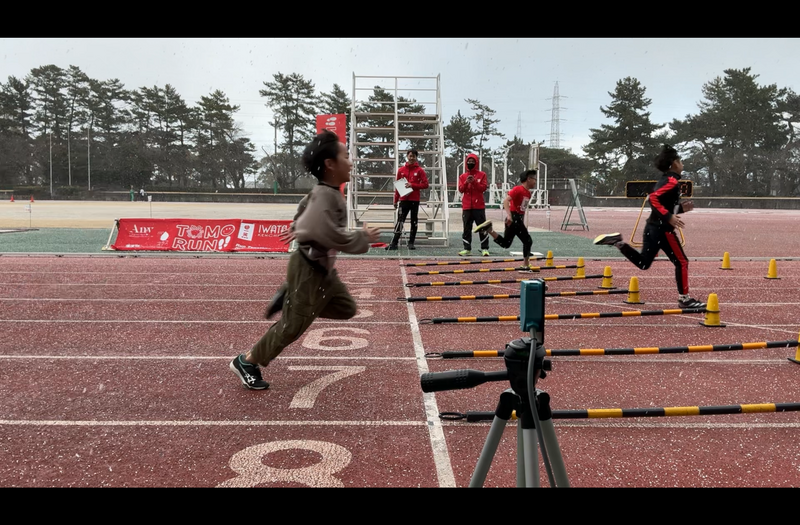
x,y
557,198
564,198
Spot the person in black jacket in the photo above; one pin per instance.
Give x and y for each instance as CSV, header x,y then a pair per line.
x,y
659,232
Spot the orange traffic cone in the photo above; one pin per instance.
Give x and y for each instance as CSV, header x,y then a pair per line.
x,y
12,197
31,198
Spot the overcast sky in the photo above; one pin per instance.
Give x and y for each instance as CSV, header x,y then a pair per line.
x,y
515,77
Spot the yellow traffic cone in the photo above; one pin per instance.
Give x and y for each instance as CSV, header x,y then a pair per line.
x,y
549,260
607,283
712,312
797,354
726,262
633,291
580,272
773,270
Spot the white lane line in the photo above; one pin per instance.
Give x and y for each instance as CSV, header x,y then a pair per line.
x,y
618,359
257,423
627,424
174,423
155,300
441,457
778,361
156,321
164,285
198,358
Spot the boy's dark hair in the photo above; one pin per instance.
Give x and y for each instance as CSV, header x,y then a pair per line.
x,y
527,173
322,147
414,151
665,159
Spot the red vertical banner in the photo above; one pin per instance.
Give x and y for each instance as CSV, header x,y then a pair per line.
x,y
337,124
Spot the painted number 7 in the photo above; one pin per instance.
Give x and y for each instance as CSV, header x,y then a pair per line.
x,y
308,394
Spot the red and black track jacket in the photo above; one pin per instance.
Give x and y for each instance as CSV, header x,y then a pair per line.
x,y
472,192
665,200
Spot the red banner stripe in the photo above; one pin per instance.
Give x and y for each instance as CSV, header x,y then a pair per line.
x,y
201,235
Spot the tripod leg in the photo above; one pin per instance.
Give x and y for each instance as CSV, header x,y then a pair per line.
x,y
530,446
505,406
554,453
487,454
550,446
520,456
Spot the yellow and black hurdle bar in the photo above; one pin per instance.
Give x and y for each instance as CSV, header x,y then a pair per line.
x,y
484,261
507,296
507,281
553,317
641,350
488,270
605,413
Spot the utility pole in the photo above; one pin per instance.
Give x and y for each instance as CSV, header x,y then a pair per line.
x,y
51,165
89,154
275,125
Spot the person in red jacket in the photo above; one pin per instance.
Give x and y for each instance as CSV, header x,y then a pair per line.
x,y
515,205
416,179
659,232
472,184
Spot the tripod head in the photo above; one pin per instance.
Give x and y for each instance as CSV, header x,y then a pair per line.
x,y
517,354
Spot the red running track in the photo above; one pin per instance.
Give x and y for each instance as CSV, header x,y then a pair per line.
x,y
116,374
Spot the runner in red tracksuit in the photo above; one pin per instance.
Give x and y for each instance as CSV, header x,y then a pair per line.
x,y
417,180
472,184
659,232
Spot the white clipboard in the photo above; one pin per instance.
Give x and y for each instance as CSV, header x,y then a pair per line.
x,y
400,186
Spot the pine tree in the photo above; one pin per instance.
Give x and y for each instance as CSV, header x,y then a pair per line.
x,y
736,140
624,150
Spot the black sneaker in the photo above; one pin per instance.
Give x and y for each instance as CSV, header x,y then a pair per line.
x,y
524,269
691,303
276,303
391,247
608,238
484,226
249,373
412,247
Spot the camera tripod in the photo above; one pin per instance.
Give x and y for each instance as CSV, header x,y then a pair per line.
x,y
525,364
535,420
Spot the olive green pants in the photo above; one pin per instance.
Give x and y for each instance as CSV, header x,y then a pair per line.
x,y
309,294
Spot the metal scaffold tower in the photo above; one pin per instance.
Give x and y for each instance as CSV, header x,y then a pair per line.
x,y
389,116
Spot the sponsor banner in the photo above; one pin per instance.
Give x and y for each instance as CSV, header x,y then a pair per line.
x,y
200,235
338,124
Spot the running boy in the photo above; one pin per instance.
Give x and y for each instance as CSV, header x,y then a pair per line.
x,y
515,204
659,232
312,287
